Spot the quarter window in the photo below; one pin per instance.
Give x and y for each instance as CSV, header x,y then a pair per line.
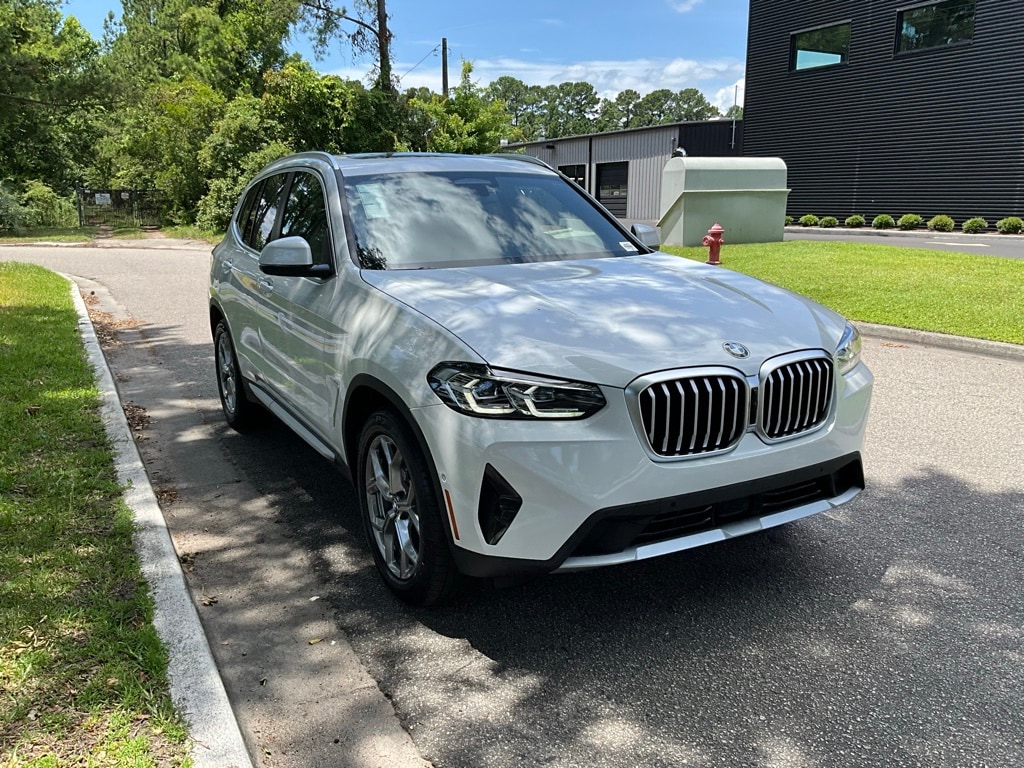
x,y
305,215
928,26
246,212
822,47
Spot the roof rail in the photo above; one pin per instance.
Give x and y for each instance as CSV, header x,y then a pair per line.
x,y
523,158
318,155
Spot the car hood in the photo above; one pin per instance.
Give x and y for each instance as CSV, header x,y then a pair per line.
x,y
610,320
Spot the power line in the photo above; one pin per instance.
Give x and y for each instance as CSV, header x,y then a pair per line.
x,y
434,50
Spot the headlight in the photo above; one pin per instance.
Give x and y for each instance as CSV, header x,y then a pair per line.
x,y
478,391
848,352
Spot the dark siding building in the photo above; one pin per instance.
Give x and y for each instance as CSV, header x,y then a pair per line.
x,y
889,106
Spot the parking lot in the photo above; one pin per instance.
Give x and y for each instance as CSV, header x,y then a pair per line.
x,y
889,633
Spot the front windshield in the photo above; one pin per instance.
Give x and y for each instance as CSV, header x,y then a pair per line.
x,y
455,219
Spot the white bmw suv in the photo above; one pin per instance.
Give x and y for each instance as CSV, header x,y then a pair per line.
x,y
515,383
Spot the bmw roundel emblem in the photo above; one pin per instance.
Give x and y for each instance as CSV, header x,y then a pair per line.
x,y
736,349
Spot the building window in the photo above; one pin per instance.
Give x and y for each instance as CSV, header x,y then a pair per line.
x,y
928,26
577,173
822,47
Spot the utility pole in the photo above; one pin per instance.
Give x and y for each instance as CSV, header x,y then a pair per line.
x,y
444,67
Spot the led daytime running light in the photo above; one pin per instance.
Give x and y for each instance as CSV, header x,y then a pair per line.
x,y
477,391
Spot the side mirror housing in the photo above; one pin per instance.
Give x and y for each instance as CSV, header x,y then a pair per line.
x,y
291,257
647,235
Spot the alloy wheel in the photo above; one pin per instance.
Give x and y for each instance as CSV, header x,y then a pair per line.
x,y
391,502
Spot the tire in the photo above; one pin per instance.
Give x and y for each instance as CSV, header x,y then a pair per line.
x,y
239,412
402,515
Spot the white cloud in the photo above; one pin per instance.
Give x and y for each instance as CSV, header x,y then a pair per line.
x,y
685,6
729,95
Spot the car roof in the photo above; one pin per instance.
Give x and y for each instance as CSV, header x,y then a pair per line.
x,y
372,163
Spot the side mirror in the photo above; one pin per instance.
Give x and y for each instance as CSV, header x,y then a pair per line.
x,y
291,257
647,235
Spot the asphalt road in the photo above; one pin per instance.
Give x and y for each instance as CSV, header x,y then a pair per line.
x,y
890,633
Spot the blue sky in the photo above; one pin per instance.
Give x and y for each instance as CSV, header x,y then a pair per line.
x,y
644,45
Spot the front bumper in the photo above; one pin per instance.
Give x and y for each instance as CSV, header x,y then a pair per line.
x,y
591,495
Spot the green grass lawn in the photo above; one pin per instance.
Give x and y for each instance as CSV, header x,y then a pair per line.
x,y
82,672
49,235
958,293
191,232
70,234
85,234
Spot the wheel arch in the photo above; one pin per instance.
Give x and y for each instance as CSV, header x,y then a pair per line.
x,y
216,316
368,394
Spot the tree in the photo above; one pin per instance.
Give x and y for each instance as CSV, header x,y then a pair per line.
x,y
50,85
656,108
525,104
620,112
735,112
325,112
157,143
229,44
570,109
465,122
691,104
368,32
243,141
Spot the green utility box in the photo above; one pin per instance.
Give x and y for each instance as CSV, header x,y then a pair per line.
x,y
746,195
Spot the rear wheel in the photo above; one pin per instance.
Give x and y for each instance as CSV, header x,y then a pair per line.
x,y
239,412
401,514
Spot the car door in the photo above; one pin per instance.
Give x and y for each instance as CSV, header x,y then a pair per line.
x,y
298,325
237,272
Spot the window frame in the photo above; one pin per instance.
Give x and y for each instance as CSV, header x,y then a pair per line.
x,y
794,50
245,233
898,49
327,257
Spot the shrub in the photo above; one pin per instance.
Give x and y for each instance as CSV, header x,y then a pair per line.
x,y
1011,225
789,220
883,221
941,223
828,222
216,207
13,216
810,220
46,208
855,221
975,225
909,221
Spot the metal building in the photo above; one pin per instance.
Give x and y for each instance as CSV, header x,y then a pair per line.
x,y
892,106
623,169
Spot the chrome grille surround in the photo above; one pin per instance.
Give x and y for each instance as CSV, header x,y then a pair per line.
x,y
690,413
796,395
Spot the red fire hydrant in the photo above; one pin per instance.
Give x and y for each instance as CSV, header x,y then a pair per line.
x,y
713,241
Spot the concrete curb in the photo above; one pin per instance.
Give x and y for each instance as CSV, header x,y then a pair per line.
x,y
943,341
196,686
897,233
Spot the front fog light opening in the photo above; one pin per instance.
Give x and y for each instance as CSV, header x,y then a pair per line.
x,y
499,505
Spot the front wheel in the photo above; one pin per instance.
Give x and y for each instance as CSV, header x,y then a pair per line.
x,y
401,514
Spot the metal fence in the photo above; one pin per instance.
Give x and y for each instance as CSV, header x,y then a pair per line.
x,y
119,207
